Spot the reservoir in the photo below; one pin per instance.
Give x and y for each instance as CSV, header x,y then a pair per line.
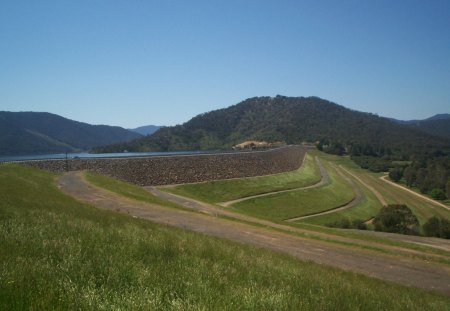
x,y
99,155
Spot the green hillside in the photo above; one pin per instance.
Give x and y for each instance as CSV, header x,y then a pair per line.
x,y
289,119
24,133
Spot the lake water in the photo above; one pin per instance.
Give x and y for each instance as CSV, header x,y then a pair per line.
x,y
99,155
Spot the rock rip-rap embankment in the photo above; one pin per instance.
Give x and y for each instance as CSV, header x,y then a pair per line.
x,y
164,170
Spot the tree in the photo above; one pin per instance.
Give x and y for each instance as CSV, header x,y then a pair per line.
x,y
445,229
396,218
447,189
396,173
437,227
410,175
438,194
432,227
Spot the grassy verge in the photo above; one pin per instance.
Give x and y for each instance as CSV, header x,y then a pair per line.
x,y
137,193
421,208
366,209
126,189
60,254
428,253
298,203
227,190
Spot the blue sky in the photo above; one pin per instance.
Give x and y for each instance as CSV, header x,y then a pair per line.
x,y
133,63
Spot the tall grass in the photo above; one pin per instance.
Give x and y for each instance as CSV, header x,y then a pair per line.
x,y
59,254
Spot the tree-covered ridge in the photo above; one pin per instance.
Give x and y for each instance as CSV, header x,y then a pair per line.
x,y
290,119
40,132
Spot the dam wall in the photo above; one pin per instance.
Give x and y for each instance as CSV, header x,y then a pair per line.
x,y
164,170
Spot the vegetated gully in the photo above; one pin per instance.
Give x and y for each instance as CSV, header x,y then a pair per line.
x,y
403,270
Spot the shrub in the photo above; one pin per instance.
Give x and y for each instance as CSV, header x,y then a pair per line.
x,y
345,223
432,227
438,194
396,173
359,224
396,218
437,227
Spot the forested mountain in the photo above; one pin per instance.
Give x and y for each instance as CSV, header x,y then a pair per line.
x,y
438,125
146,129
289,119
23,133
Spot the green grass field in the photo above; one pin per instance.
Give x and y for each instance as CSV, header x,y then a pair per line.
x,y
57,253
427,253
126,189
227,190
288,205
370,206
298,203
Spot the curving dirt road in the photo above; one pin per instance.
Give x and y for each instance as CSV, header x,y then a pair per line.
x,y
355,201
384,178
411,272
324,179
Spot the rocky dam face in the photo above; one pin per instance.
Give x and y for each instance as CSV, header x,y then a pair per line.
x,y
164,170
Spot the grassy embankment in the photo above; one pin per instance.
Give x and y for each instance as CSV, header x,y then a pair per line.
x,y
227,190
393,195
359,239
58,253
126,189
302,202
269,207
427,253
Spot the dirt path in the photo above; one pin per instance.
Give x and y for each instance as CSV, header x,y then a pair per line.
x,y
384,178
209,209
355,201
324,179
378,195
400,270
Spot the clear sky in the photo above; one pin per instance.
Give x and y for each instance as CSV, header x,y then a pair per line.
x,y
133,63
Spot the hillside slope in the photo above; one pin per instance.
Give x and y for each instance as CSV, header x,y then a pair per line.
x,y
438,125
290,119
146,129
24,133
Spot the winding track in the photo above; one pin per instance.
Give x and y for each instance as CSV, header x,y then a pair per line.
x,y
355,201
324,179
406,271
384,178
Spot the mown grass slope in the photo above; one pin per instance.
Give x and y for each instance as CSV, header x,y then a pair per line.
x,y
302,202
227,190
57,253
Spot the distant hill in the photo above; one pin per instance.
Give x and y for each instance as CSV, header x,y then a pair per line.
x,y
438,125
23,133
146,130
280,118
440,116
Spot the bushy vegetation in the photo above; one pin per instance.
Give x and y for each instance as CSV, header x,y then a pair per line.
x,y
437,227
61,254
372,163
345,223
430,173
396,218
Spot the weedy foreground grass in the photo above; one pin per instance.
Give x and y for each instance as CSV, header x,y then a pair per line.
x,y
57,253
